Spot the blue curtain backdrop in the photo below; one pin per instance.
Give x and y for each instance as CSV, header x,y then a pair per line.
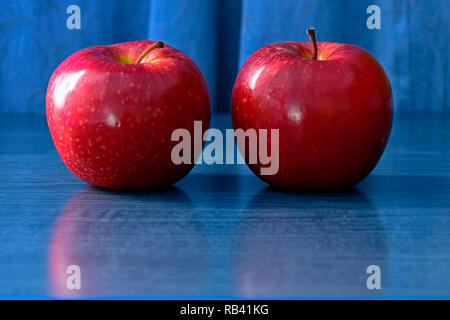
x,y
412,45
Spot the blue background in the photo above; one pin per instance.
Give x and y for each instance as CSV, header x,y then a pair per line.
x,y
412,45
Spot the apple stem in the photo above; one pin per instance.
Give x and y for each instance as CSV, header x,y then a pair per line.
x,y
312,36
158,44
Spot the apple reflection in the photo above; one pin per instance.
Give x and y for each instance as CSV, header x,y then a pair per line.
x,y
304,244
128,244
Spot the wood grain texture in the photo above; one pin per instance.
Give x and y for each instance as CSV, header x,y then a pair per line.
x,y
223,232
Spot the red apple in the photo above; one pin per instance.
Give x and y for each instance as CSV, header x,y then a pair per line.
x,y
112,109
331,102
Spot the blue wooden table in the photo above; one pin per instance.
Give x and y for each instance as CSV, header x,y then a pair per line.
x,y
223,232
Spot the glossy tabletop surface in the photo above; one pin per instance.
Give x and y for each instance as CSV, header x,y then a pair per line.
x,y
221,231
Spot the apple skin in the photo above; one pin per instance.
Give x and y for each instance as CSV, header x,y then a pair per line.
x,y
334,114
111,120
